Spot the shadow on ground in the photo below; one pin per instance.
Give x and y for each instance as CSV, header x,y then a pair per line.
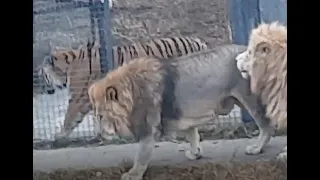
x,y
259,170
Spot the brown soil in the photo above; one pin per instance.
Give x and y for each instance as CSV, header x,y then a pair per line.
x,y
260,170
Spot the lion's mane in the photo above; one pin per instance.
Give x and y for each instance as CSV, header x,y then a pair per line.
x,y
268,53
138,88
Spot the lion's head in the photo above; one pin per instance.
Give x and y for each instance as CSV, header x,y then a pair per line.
x,y
267,42
265,62
122,99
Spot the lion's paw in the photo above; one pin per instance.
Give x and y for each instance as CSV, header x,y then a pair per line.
x,y
128,176
283,155
253,150
194,156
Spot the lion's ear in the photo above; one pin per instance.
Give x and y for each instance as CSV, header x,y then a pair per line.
x,y
111,93
263,48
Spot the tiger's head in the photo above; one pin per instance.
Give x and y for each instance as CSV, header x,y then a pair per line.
x,y
55,67
64,59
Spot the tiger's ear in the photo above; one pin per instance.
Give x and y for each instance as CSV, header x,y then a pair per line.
x,y
111,93
263,48
52,48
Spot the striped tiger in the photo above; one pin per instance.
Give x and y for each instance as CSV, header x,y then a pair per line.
x,y
82,67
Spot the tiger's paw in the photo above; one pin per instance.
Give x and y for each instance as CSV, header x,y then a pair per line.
x,y
60,136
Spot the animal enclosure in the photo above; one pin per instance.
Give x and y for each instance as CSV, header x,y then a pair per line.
x,y
63,25
68,24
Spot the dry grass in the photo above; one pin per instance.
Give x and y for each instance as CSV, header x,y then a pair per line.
x,y
262,170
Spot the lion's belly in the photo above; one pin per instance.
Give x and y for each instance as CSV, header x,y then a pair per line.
x,y
195,121
186,122
205,109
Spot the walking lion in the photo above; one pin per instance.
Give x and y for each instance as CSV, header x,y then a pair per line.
x,y
149,98
265,62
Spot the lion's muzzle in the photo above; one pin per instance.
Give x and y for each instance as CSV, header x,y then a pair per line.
x,y
107,133
241,64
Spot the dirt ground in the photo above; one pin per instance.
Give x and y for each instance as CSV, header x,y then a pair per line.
x,y
224,159
260,170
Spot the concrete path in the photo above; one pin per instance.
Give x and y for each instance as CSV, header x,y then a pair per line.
x,y
164,153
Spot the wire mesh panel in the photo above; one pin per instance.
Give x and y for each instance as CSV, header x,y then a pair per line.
x,y
60,26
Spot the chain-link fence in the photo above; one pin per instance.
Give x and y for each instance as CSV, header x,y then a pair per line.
x,y
66,24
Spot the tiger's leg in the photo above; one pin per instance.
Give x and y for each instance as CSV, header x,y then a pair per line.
x,y
192,135
74,116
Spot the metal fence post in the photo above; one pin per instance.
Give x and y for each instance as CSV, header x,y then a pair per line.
x,y
33,28
104,28
273,10
93,16
245,15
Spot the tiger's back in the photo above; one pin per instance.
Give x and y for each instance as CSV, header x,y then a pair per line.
x,y
161,47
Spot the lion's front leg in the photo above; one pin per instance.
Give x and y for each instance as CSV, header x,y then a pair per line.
x,y
192,135
256,110
142,159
